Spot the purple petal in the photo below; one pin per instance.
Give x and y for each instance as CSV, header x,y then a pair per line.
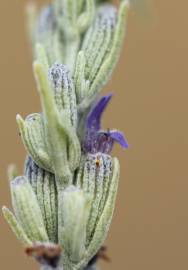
x,y
90,143
105,142
118,137
94,117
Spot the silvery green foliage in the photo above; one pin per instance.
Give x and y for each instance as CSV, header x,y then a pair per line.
x,y
66,196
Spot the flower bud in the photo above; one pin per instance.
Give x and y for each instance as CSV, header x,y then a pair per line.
x,y
49,138
94,178
104,221
64,92
74,15
97,42
98,177
27,209
102,45
74,212
45,189
33,136
58,131
47,34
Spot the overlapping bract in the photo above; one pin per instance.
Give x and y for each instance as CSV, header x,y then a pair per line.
x,y
77,217
90,54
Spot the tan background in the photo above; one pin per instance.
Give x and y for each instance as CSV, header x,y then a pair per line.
x,y
150,226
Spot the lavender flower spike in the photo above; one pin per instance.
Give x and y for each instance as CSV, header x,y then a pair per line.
x,y
97,140
70,178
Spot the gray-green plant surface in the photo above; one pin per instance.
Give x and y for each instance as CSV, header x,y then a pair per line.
x,y
64,202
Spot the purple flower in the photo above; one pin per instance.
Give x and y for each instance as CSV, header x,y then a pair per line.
x,y
97,140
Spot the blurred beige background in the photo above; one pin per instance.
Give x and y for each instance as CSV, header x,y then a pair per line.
x,y
150,226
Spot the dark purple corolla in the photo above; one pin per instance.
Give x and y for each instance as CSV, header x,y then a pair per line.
x,y
97,140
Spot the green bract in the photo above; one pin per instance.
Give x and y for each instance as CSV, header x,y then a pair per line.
x,y
66,195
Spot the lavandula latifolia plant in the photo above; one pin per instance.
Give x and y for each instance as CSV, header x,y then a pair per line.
x,y
64,201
